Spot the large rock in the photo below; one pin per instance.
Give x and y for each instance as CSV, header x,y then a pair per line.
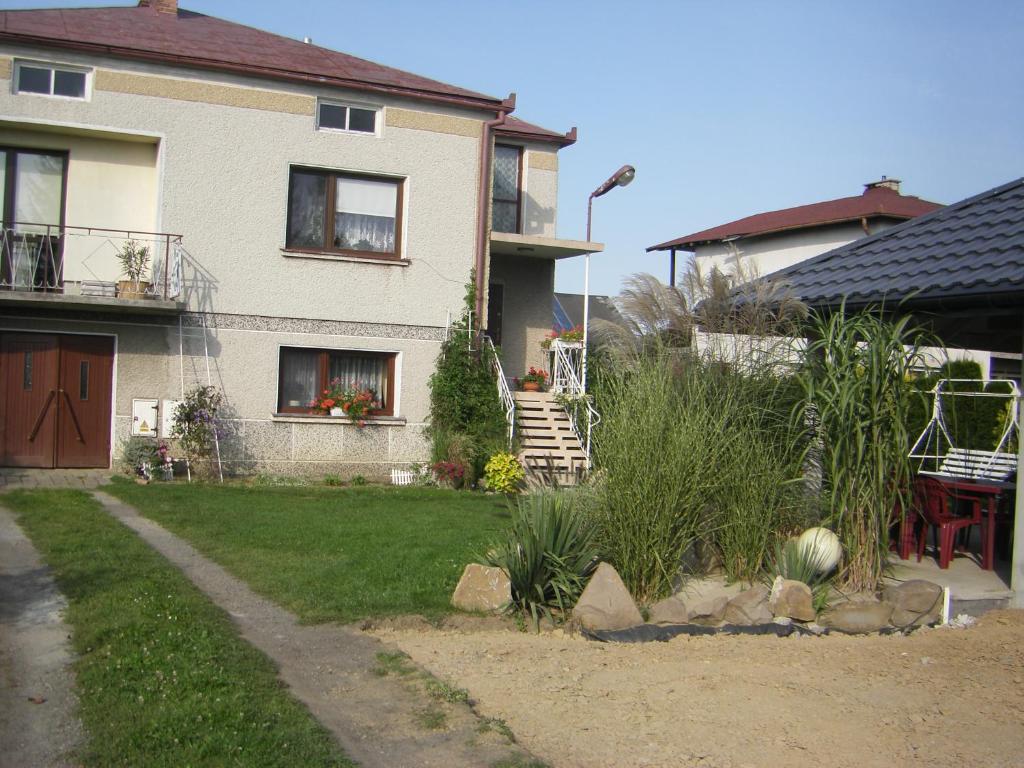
x,y
791,599
917,603
749,607
857,618
606,603
709,611
482,588
671,610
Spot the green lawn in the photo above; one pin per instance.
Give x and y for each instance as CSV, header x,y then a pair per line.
x,y
163,678
332,554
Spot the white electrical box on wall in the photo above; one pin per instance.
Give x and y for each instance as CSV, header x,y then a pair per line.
x,y
167,409
144,417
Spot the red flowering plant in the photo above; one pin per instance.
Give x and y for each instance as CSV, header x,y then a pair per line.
x,y
448,473
568,335
355,401
536,376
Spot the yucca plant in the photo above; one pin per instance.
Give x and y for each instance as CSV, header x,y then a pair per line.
x,y
803,564
549,553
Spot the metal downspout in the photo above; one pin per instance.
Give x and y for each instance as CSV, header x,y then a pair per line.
x,y
482,204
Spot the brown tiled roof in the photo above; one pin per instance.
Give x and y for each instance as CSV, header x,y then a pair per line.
x,y
875,202
193,39
520,129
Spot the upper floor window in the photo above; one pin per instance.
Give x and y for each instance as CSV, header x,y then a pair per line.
x,y
344,213
50,80
346,117
508,169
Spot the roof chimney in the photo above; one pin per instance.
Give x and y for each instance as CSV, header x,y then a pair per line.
x,y
163,6
883,183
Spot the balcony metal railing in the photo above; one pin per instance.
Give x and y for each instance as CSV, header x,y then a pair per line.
x,y
85,260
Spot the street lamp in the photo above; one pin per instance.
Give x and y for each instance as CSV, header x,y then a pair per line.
x,y
620,178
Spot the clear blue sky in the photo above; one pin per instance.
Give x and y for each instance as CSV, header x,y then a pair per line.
x,y
725,108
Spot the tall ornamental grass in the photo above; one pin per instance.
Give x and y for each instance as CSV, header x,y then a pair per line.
x,y
855,386
691,450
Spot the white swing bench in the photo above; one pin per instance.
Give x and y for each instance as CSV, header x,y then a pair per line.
x,y
998,465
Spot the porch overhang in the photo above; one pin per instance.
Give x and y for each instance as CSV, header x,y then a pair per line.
x,y
538,247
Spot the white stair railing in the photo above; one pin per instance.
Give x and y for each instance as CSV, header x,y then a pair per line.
x,y
567,381
507,401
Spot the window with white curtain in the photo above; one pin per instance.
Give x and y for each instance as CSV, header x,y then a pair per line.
x,y
305,373
32,184
344,213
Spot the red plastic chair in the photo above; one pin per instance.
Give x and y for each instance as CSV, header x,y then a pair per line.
x,y
935,504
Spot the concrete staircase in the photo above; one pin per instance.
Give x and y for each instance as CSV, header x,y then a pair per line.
x,y
550,450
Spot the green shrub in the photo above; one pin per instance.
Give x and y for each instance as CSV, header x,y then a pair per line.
x,y
549,553
466,415
503,473
136,451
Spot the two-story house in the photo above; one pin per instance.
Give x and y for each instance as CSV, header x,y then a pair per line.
x,y
303,215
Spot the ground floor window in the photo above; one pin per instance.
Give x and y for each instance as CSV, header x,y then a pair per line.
x,y
306,373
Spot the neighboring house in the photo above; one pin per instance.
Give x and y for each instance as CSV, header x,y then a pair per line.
x,y
766,242
308,215
960,270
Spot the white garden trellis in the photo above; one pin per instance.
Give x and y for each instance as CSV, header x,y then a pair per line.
x,y
935,443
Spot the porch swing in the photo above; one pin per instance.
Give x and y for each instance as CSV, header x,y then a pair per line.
x,y
935,451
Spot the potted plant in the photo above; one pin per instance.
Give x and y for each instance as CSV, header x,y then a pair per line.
x,y
572,335
534,380
134,259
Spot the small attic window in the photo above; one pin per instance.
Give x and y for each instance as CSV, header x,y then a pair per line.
x,y
347,117
50,80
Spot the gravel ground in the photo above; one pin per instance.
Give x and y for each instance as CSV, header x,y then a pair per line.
x,y
939,697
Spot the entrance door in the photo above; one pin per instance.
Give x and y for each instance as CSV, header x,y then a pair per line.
x,y
495,308
56,400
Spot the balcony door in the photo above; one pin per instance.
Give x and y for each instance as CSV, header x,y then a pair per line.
x,y
32,197
55,400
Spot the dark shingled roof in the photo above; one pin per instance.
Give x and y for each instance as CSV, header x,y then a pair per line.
x,y
874,202
193,39
972,250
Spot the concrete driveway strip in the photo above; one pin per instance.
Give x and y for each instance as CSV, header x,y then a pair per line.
x,y
377,720
38,724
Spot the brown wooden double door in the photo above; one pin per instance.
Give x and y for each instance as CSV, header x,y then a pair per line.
x,y
55,402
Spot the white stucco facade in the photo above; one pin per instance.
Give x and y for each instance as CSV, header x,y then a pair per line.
x,y
157,148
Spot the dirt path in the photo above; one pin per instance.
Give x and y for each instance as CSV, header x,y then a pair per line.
x,y
941,697
38,725
379,719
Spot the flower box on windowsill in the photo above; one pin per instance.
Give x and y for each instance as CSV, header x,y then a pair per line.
x,y
313,418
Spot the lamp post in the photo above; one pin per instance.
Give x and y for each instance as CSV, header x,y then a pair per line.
x,y
620,178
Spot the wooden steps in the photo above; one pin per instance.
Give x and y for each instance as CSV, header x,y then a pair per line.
x,y
549,449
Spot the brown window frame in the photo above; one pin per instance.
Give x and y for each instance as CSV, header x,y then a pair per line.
x,y
323,373
329,209
519,188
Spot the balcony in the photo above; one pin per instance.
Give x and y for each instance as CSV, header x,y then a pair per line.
x,y
80,268
540,247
